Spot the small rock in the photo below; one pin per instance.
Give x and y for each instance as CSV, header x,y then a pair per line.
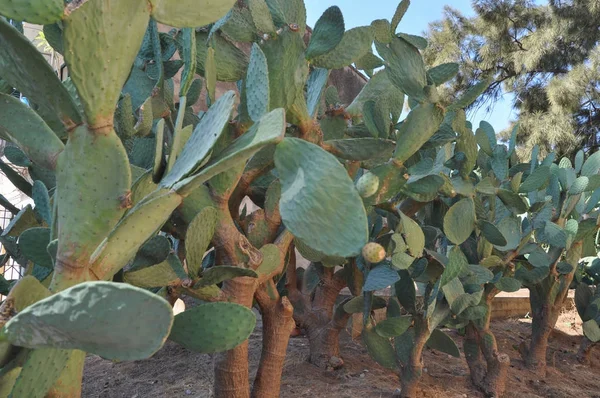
x,y
362,375
188,392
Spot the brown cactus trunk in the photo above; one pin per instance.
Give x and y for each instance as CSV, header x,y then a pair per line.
x,y
315,314
488,367
231,367
411,372
277,326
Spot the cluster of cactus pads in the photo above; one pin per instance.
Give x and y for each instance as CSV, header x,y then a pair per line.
x,y
138,197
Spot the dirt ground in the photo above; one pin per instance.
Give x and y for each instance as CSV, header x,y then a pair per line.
x,y
177,372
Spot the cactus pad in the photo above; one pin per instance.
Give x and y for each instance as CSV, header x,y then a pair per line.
x,y
40,370
102,39
33,244
459,221
40,12
199,234
257,84
319,203
93,317
355,44
202,141
131,232
94,165
442,342
189,13
268,130
379,348
162,274
327,33
37,81
213,327
23,127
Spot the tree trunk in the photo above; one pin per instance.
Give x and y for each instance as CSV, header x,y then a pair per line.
x,y
488,367
585,351
277,326
545,316
231,367
411,372
471,347
315,313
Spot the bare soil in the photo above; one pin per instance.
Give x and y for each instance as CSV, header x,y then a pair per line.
x,y
177,372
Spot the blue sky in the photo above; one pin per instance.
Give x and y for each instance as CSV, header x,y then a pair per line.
x,y
418,16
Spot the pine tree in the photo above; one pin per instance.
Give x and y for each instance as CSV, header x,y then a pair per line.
x,y
548,56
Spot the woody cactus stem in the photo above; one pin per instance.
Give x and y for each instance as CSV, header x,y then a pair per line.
x,y
546,310
488,367
314,313
277,324
411,372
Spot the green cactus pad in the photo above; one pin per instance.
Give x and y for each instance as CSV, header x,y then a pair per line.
x,y
102,39
360,149
220,273
131,232
457,263
40,12
41,369
154,251
393,327
199,234
33,244
510,227
440,74
356,305
317,80
24,220
261,16
142,187
422,122
415,239
41,199
442,342
512,201
399,14
288,12
97,165
271,259
113,320
24,67
202,141
20,125
536,180
8,378
269,130
16,156
162,274
380,277
287,68
189,13
257,84
213,327
459,221
319,203
406,68
355,43
591,330
380,348
379,87
27,291
508,284
591,166
230,61
491,233
327,33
